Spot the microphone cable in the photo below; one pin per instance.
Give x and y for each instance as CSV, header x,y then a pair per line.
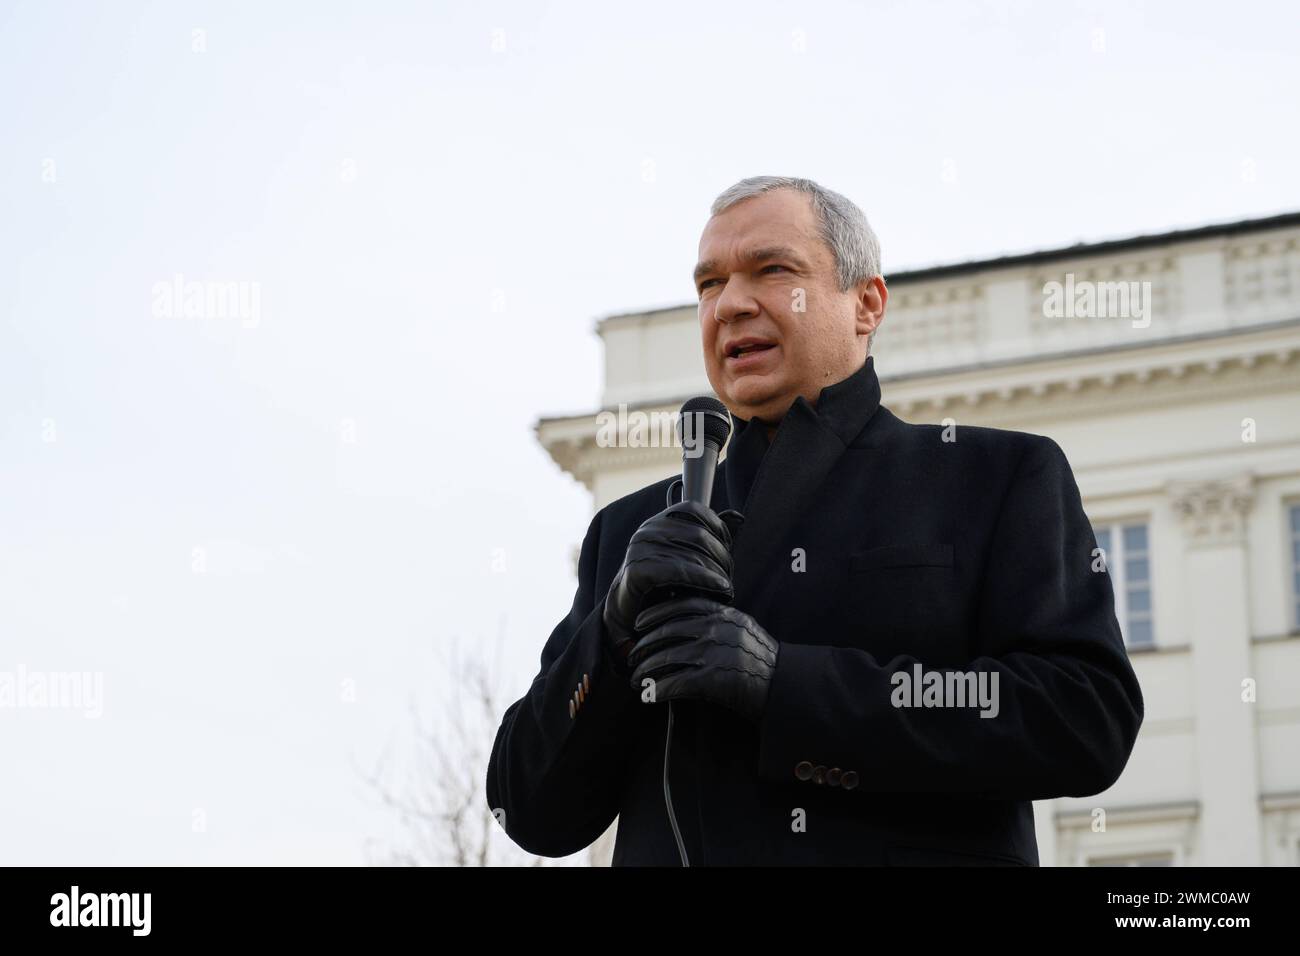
x,y
668,743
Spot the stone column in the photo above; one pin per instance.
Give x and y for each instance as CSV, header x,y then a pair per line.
x,y
1218,611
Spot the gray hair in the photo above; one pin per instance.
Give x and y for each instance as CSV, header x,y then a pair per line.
x,y
844,227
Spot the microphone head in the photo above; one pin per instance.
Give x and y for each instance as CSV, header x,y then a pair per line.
x,y
703,421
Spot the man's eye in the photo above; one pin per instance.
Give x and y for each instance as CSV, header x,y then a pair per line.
x,y
707,282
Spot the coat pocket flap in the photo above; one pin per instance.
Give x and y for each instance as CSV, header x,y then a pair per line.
x,y
903,556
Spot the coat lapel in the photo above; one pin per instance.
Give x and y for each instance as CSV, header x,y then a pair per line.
x,y
795,466
793,470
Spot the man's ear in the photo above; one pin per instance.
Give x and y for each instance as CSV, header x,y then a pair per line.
x,y
872,298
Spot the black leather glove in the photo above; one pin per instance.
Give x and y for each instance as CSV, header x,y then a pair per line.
x,y
698,648
683,550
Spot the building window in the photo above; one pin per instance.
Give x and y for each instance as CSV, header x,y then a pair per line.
x,y
1126,549
1295,563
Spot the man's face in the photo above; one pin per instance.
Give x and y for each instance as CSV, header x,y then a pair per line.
x,y
774,322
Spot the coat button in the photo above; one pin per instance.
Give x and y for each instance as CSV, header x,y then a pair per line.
x,y
819,774
849,780
803,770
572,708
586,684
833,776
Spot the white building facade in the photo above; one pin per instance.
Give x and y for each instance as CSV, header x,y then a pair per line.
x,y
1168,369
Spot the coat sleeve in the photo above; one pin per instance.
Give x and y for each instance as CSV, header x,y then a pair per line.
x,y
1069,705
555,776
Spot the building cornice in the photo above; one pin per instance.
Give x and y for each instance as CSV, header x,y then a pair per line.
x,y
1080,384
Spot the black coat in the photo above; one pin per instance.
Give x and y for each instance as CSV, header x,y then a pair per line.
x,y
971,554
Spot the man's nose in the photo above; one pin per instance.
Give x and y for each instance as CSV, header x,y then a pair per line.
x,y
734,302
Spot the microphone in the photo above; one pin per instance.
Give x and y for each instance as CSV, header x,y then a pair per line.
x,y
702,427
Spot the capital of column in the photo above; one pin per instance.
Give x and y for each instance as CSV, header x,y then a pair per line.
x,y
1213,512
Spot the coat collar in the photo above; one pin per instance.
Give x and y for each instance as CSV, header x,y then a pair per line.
x,y
787,475
846,406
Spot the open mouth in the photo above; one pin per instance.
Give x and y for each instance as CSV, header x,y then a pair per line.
x,y
740,350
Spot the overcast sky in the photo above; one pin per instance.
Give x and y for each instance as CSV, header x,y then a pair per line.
x,y
262,532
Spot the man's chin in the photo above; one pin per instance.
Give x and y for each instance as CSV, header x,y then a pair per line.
x,y
757,400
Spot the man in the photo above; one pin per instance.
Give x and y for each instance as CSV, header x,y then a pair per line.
x,y
880,643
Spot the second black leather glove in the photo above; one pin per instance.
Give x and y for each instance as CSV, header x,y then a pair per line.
x,y
683,550
697,648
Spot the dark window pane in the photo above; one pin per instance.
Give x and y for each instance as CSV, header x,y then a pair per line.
x,y
1139,632
1135,537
